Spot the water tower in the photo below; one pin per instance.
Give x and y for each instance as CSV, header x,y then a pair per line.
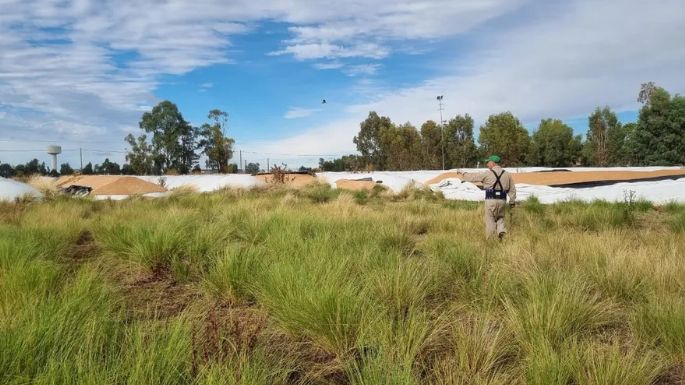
x,y
54,151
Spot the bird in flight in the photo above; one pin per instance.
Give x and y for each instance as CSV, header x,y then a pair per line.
x,y
323,101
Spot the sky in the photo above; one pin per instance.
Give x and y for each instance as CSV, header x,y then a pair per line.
x,y
80,73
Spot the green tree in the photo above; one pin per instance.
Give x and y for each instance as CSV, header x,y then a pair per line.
x,y
603,128
659,137
401,147
344,163
553,145
214,143
173,139
33,167
630,152
252,168
6,170
368,140
504,135
65,169
88,170
140,156
460,148
431,138
126,169
108,167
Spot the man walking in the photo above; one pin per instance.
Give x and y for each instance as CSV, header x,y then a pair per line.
x,y
497,184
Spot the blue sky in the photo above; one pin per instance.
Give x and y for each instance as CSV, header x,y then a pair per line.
x,y
80,73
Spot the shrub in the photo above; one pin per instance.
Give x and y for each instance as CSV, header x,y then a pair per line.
x,y
320,192
533,205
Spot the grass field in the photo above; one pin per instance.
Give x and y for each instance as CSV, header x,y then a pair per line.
x,y
316,286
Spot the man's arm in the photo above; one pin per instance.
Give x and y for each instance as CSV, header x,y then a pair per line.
x,y
474,177
512,190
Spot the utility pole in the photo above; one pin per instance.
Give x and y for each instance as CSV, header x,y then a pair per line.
x,y
442,131
267,165
80,151
242,170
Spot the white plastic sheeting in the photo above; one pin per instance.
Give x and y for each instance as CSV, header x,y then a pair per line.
x,y
658,192
11,190
394,180
655,191
453,188
206,183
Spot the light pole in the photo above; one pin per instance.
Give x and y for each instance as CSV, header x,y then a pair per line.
x,y
442,130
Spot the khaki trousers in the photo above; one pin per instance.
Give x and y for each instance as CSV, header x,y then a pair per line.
x,y
494,217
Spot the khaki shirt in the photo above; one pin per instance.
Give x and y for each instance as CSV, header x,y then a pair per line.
x,y
487,178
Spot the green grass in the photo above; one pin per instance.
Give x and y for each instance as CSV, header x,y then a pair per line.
x,y
319,286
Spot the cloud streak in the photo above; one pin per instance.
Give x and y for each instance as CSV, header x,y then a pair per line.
x,y
297,112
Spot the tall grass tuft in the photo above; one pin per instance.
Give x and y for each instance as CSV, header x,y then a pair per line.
x,y
555,309
321,307
233,276
480,350
662,323
617,365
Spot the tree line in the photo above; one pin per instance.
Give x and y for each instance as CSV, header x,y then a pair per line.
x,y
657,138
36,167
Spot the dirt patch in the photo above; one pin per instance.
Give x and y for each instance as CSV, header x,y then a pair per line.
x,y
155,294
355,185
224,332
308,362
561,178
111,184
675,375
84,247
292,180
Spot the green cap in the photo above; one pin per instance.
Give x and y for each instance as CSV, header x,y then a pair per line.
x,y
493,158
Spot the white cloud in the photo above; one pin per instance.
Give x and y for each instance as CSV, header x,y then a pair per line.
x,y
322,50
356,29
297,112
362,69
332,65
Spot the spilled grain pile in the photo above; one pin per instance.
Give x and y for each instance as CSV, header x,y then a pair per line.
x,y
565,178
289,179
111,185
355,185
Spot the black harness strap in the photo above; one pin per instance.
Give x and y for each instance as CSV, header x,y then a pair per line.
x,y
498,181
494,192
